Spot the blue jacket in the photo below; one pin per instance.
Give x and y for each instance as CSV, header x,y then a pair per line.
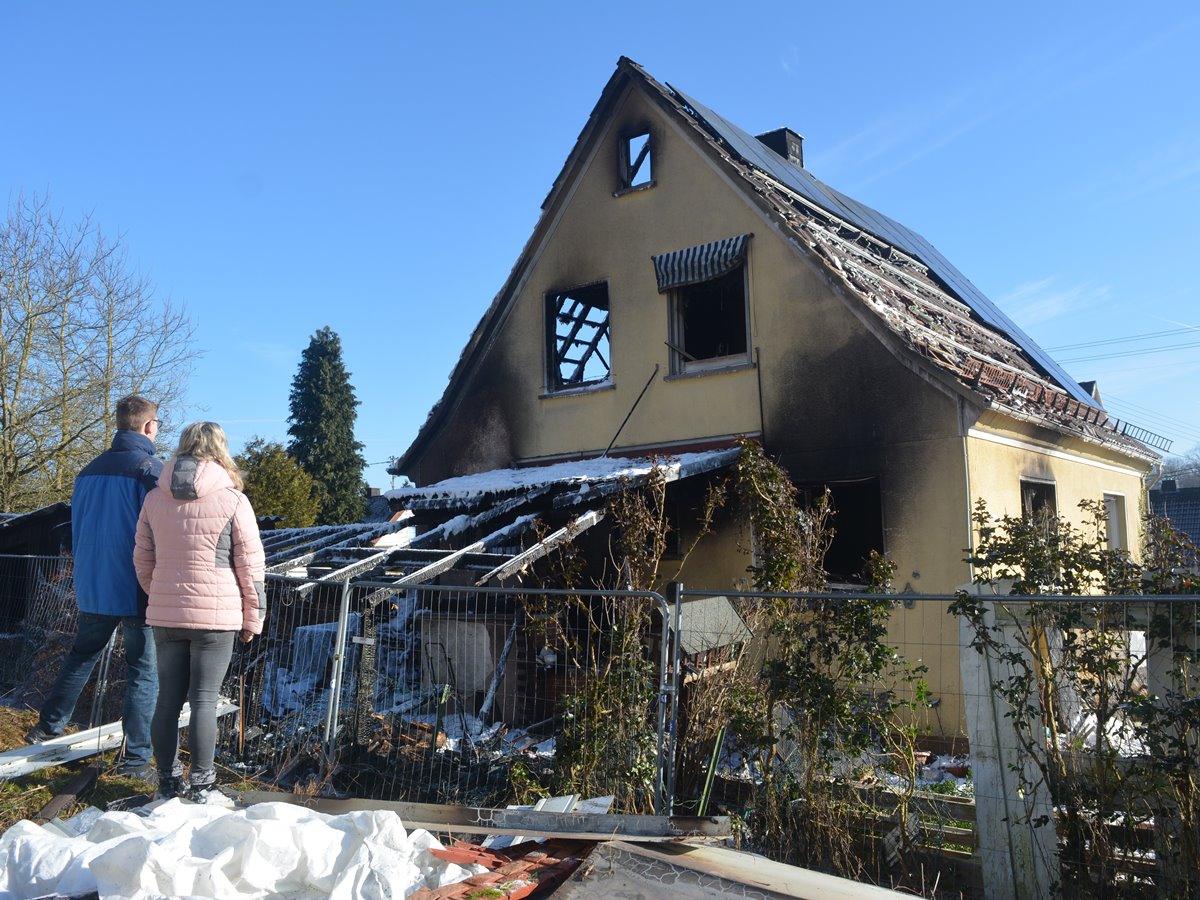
x,y
104,512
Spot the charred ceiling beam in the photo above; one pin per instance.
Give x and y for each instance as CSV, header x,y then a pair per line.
x,y
564,535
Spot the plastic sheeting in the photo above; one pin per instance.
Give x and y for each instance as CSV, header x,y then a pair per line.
x,y
177,849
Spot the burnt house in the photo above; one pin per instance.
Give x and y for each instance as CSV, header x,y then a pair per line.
x,y
689,283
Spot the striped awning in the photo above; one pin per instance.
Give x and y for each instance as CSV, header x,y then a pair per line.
x,y
703,263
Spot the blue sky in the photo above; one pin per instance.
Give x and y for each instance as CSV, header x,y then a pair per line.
x,y
277,167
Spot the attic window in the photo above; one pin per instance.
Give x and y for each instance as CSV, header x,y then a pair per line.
x,y
635,162
577,336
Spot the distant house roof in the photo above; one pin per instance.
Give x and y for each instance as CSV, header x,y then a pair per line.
x,y
42,532
925,305
1179,506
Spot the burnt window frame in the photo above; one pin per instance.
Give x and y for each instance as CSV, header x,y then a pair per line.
x,y
683,362
553,302
631,168
861,500
1034,489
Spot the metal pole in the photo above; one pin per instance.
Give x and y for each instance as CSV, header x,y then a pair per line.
x,y
101,688
676,684
664,687
335,676
664,782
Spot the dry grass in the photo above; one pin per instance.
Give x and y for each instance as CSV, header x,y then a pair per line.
x,y
24,797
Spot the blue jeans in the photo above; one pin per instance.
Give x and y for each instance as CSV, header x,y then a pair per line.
x,y
192,663
141,686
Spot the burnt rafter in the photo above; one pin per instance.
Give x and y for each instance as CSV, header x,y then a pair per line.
x,y
580,336
478,523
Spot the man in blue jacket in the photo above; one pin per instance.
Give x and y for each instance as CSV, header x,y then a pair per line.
x,y
104,512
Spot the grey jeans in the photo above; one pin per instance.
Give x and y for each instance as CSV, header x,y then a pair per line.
x,y
191,666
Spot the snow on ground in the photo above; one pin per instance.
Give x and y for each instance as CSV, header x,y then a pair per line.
x,y
176,849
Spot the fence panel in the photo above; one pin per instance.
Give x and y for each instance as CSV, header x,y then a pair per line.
x,y
1086,737
37,627
485,696
455,695
283,685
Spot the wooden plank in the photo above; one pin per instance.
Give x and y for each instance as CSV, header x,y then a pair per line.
x,y
72,791
480,820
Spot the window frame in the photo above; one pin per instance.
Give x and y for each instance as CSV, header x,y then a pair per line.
x,y
628,167
682,362
553,302
1116,532
1039,485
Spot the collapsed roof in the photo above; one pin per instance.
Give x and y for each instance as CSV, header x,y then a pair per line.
x,y
494,524
924,304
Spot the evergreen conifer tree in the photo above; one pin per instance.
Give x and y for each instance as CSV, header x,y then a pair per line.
x,y
277,485
323,410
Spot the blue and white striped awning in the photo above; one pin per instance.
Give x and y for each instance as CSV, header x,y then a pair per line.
x,y
696,264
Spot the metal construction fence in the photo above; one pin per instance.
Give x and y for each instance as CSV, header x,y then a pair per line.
x,y
447,694
998,738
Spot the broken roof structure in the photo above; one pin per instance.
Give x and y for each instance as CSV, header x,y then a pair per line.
x,y
480,522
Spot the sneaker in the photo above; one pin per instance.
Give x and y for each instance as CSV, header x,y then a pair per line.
x,y
139,772
170,787
204,793
39,734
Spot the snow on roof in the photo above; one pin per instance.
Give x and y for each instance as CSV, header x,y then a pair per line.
x,y
584,472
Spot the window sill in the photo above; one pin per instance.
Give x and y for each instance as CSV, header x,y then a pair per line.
x,y
712,370
637,187
577,391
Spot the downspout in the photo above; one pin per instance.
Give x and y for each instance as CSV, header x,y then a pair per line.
x,y
962,427
762,416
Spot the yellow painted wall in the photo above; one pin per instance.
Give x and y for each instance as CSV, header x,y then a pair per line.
x,y
1001,452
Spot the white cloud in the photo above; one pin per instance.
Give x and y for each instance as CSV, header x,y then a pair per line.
x,y
1037,302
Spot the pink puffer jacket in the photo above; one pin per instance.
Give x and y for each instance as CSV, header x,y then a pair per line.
x,y
197,553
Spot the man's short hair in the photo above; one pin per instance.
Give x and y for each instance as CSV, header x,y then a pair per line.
x,y
133,412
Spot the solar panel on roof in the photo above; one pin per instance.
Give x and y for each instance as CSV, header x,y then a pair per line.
x,y
800,180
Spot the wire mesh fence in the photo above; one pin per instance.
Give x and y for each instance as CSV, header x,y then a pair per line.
x,y
939,734
453,695
37,606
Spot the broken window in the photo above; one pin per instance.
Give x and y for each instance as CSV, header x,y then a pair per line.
x,y
709,316
857,524
708,323
577,336
635,162
1038,499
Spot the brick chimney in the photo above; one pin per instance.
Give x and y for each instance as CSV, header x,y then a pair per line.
x,y
786,143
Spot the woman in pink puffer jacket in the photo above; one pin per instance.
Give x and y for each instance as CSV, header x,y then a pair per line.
x,y
199,558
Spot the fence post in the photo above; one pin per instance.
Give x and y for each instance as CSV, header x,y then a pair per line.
x,y
668,701
335,675
1171,655
1019,862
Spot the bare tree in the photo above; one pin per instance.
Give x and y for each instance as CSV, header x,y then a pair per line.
x,y
79,328
1185,468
